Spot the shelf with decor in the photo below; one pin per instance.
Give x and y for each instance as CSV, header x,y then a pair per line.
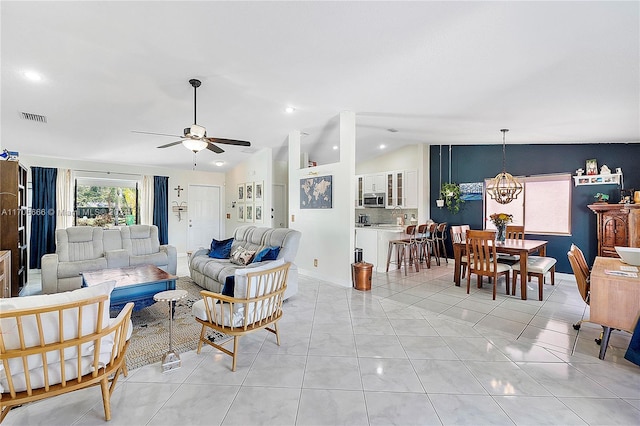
x,y
609,179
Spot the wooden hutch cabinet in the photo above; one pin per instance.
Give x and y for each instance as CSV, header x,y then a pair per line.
x,y
13,220
618,225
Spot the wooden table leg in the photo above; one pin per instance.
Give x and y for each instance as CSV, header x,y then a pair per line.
x,y
523,274
457,255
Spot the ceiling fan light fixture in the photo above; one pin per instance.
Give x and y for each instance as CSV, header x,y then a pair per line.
x,y
504,188
197,131
194,145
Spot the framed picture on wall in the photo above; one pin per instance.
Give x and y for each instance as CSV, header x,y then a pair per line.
x,y
248,195
258,191
592,167
240,213
258,214
316,192
241,193
248,214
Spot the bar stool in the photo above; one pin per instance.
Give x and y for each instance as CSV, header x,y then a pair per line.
x,y
432,243
441,236
421,240
406,247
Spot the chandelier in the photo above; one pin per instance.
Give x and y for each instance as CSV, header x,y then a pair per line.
x,y
504,188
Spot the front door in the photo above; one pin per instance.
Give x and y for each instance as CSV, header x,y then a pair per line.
x,y
204,216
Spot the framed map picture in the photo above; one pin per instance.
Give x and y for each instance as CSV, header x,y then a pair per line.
x,y
240,213
315,192
258,213
248,195
248,214
241,193
258,191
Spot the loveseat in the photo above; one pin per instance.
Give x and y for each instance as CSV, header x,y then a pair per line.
x,y
211,273
83,248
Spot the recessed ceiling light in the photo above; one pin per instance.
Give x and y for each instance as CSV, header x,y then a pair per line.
x,y
219,163
289,109
32,75
335,147
383,146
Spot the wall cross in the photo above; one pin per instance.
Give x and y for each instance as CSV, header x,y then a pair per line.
x,y
178,189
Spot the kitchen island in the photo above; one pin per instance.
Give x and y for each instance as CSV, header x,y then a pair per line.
x,y
374,242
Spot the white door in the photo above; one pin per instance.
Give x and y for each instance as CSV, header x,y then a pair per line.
x,y
279,211
204,216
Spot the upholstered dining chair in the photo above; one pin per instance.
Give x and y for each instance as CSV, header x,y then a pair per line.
x,y
458,237
482,259
537,266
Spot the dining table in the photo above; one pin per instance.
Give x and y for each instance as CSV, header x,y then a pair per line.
x,y
523,248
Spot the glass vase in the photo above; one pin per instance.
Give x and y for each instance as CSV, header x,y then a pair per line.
x,y
501,233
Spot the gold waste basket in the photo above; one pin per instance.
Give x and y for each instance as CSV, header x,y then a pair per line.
x,y
361,275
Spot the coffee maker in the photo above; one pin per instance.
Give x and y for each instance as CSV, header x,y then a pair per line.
x,y
363,219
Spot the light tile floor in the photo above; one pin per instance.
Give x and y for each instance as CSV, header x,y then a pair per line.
x,y
413,350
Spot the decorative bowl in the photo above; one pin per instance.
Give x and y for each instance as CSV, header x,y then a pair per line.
x,y
629,255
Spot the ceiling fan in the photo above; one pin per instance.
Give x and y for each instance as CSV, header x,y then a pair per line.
x,y
195,137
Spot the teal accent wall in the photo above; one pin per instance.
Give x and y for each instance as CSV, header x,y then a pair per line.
x,y
474,163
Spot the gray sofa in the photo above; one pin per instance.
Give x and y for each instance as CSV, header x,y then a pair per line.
x,y
211,273
83,248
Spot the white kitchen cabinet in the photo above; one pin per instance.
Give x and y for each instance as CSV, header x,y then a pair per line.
x,y
359,191
374,243
402,189
411,189
374,183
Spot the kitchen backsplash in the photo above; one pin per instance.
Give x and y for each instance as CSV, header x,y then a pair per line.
x,y
386,215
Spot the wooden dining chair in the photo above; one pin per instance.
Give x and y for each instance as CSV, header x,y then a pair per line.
x,y
482,259
458,237
514,232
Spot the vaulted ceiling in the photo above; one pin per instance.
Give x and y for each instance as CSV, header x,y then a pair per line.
x,y
413,72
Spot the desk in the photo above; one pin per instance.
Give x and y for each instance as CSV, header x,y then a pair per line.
x,y
615,301
520,247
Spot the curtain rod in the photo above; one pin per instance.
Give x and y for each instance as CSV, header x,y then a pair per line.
x,y
107,173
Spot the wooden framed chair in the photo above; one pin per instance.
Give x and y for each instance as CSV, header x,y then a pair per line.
x,y
406,249
441,237
256,304
431,243
458,237
482,259
514,232
537,266
421,239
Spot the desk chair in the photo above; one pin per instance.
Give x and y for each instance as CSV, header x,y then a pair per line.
x,y
482,259
582,274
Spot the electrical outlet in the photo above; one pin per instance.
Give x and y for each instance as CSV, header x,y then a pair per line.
x,y
315,262
293,218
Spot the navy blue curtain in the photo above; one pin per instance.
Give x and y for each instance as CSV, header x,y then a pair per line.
x,y
43,214
161,207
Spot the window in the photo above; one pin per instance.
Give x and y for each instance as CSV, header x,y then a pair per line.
x,y
106,201
543,207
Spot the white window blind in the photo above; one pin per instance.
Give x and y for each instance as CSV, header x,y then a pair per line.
x,y
543,207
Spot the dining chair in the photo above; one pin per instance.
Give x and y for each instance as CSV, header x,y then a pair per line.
x,y
441,237
458,237
514,232
537,266
482,259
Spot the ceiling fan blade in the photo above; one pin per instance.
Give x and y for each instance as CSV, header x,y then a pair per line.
x,y
169,144
214,148
157,134
229,141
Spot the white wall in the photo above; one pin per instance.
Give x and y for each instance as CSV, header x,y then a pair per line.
x,y
327,234
257,168
177,229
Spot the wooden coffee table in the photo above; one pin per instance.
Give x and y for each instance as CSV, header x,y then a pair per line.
x,y
137,284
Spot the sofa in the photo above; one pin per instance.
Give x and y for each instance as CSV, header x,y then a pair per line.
x,y
211,273
83,248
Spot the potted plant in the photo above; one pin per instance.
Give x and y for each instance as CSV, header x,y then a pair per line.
x,y
450,192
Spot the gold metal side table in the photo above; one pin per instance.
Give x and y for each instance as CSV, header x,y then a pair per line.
x,y
170,360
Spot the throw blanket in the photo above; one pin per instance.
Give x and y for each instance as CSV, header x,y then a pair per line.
x,y
633,351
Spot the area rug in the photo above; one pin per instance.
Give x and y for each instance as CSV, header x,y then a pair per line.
x,y
150,337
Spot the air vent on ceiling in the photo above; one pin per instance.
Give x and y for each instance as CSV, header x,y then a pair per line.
x,y
33,117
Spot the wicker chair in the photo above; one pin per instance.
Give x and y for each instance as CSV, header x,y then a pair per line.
x,y
256,304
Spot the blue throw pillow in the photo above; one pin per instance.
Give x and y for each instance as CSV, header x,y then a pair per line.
x,y
269,253
220,249
229,284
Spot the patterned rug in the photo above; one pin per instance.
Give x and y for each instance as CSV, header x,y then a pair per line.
x,y
150,338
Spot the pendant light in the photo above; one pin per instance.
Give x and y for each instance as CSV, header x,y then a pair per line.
x,y
504,188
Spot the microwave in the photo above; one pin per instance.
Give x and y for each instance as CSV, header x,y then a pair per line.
x,y
375,199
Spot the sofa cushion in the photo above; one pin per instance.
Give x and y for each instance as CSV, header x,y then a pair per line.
x,y
73,269
140,239
79,243
157,259
229,285
242,256
220,249
50,324
269,253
